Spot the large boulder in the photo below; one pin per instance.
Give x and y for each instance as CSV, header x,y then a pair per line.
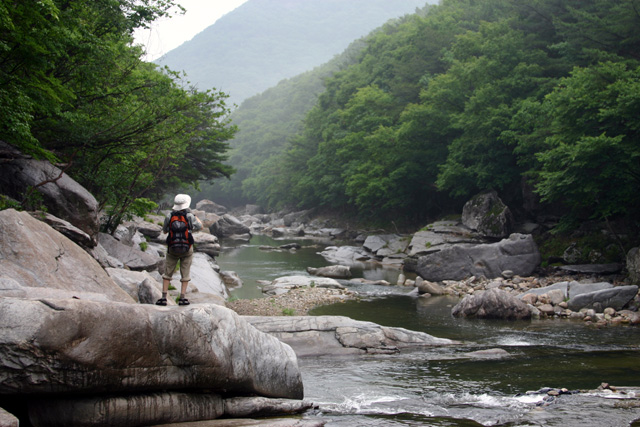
x,y
211,207
616,297
346,255
206,243
35,255
228,225
492,304
131,256
339,336
66,228
519,253
140,285
488,215
440,235
76,347
62,196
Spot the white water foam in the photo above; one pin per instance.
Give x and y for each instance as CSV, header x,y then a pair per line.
x,y
364,404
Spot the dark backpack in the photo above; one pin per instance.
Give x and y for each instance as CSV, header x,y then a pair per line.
x,y
179,239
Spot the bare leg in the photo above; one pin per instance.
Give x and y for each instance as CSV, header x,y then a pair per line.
x,y
165,287
183,291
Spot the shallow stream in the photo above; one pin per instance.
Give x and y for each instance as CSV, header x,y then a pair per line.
x,y
443,386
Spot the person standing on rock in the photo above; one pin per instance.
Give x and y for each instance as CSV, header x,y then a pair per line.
x,y
179,225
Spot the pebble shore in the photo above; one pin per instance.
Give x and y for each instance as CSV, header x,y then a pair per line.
x,y
296,302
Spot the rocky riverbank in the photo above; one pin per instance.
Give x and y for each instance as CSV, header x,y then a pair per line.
x,y
296,302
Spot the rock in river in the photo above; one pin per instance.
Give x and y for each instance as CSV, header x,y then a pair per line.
x,y
492,304
518,253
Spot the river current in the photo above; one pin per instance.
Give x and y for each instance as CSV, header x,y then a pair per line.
x,y
444,386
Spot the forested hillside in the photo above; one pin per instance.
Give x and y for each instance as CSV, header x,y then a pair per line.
x,y
264,41
74,90
475,95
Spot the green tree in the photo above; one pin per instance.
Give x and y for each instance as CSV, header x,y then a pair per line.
x,y
73,89
592,160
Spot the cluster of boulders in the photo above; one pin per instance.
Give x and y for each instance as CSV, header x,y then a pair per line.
x,y
494,278
81,342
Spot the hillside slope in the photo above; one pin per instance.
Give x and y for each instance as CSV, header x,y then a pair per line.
x,y
264,41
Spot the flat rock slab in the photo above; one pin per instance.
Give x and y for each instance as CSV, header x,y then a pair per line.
x,y
282,285
570,289
338,335
593,268
440,236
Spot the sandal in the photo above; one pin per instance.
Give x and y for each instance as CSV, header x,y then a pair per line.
x,y
183,301
161,301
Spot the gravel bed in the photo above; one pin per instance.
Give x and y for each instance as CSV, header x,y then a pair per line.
x,y
296,302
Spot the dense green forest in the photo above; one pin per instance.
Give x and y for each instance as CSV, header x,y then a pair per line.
x,y
74,90
540,96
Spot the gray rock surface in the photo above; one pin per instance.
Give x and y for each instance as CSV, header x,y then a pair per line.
x,y
492,304
129,410
345,255
211,207
140,285
131,256
488,215
63,197
633,265
428,241
90,349
519,253
337,335
205,278
65,227
37,256
7,419
593,268
616,298
206,243
282,285
333,271
227,226
243,407
426,287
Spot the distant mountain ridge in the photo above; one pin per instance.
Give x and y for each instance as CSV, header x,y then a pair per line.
x,y
264,41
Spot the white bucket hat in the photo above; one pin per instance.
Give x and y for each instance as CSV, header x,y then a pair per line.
x,y
182,201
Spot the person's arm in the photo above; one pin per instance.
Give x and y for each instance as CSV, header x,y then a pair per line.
x,y
196,224
165,226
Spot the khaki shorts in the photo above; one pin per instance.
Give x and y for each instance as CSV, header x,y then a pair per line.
x,y
185,265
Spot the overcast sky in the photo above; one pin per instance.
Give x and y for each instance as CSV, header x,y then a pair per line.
x,y
167,34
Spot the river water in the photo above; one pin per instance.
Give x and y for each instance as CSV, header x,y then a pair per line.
x,y
444,386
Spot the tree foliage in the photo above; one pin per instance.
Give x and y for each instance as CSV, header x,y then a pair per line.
x,y
73,89
471,96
